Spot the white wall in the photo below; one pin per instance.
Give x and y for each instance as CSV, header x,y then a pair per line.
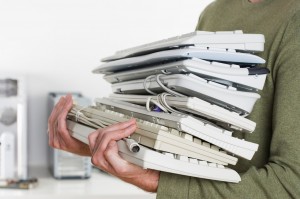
x,y
56,44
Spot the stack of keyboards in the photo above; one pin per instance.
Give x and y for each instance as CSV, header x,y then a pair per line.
x,y
188,94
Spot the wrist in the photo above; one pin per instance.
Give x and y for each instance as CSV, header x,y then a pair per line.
x,y
85,151
147,181
153,180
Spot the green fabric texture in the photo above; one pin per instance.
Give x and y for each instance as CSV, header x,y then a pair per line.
x,y
274,171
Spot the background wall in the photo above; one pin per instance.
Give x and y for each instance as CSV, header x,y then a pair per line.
x,y
56,44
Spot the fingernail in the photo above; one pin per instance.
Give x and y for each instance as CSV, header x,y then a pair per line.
x,y
132,120
128,121
69,96
61,99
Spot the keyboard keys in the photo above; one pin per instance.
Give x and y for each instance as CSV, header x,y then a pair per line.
x,y
223,39
167,162
187,146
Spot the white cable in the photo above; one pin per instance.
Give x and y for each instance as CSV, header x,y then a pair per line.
x,y
78,114
166,72
146,87
163,101
132,145
166,88
82,119
148,104
150,100
157,78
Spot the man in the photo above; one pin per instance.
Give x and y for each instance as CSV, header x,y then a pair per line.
x,y
274,172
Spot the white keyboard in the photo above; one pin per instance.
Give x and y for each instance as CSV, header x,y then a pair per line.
x,y
198,107
195,127
212,54
248,79
156,136
162,161
191,85
226,39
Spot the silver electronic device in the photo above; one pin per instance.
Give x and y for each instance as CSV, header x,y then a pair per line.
x,y
13,127
201,129
7,155
163,161
211,54
248,79
65,165
158,137
220,39
155,136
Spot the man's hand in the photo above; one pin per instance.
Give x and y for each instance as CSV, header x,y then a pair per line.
x,y
105,155
59,136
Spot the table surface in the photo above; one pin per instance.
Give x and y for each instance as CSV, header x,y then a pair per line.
x,y
100,185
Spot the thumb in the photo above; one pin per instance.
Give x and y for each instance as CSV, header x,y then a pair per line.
x,y
121,167
112,156
112,148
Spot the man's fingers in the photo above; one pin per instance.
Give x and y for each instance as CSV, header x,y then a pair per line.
x,y
120,167
113,135
119,126
62,126
57,122
119,134
52,121
92,140
56,110
112,156
101,145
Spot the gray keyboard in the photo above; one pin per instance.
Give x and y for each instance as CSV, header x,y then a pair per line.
x,y
196,106
192,85
195,127
222,39
212,54
157,136
162,161
248,79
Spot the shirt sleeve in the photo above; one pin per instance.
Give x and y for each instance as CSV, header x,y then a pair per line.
x,y
280,177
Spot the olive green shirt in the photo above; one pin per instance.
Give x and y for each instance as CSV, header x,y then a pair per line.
x,y
274,171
